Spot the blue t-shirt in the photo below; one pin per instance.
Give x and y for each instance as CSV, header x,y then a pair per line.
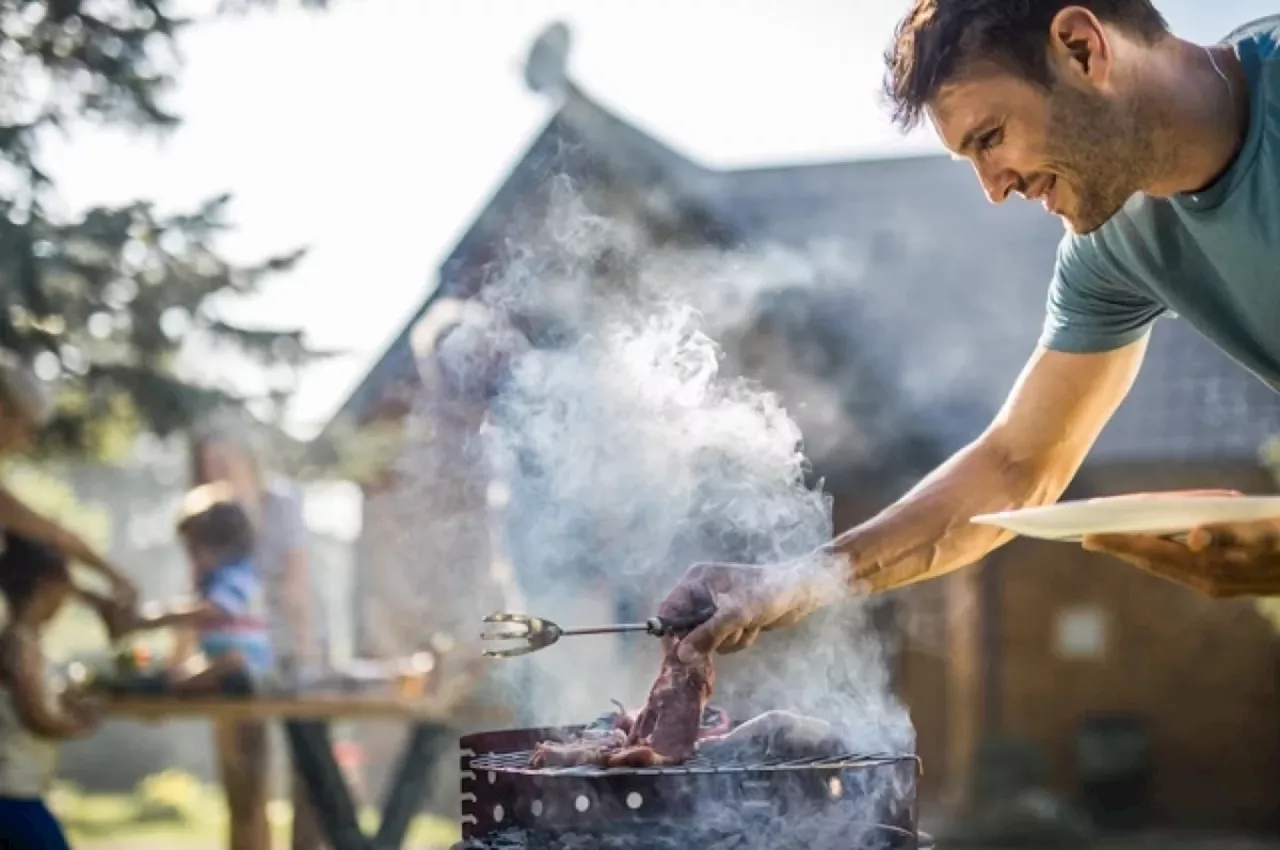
x,y
1212,258
236,589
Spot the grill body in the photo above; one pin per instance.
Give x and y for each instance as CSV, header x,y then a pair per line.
x,y
849,802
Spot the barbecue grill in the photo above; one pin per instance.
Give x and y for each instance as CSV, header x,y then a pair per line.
x,y
841,802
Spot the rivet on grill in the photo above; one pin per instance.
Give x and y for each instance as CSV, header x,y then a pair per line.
x,y
634,800
582,803
493,777
498,814
536,808
836,786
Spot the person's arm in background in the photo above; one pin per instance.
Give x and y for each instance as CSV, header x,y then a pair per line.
x,y
187,616
17,517
1027,457
33,701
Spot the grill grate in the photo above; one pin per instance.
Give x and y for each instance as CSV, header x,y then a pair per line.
x,y
519,762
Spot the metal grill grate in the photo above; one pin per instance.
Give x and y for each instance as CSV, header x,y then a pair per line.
x,y
519,762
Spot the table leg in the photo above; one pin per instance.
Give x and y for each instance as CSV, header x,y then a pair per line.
x,y
312,751
411,781
313,758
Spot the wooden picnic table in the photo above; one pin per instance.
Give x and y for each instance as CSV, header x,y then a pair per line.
x,y
306,720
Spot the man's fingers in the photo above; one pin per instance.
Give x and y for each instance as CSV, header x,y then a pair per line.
x,y
739,641
1166,559
786,621
1141,546
1260,536
708,637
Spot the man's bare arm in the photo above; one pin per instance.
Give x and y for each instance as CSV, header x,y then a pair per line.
x,y
1027,457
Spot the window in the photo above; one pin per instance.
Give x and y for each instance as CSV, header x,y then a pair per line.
x,y
1081,633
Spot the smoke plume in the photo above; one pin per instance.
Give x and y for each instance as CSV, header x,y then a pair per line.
x,y
631,447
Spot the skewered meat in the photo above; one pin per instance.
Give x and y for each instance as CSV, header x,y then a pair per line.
x,y
664,732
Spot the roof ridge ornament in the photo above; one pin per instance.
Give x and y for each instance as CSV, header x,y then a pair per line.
x,y
546,67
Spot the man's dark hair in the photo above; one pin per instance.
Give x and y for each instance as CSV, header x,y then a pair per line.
x,y
219,522
937,38
25,565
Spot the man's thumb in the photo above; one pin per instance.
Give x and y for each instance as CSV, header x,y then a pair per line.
x,y
697,644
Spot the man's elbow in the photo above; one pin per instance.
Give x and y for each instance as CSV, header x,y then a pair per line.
x,y
1029,476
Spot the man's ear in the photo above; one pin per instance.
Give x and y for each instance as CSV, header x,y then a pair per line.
x,y
1078,45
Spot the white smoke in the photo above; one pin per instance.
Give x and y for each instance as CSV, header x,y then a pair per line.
x,y
630,451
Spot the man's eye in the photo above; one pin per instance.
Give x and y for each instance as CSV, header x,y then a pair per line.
x,y
990,139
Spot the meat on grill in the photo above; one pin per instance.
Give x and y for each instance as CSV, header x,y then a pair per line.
x,y
781,735
665,731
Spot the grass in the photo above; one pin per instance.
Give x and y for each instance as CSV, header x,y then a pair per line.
x,y
172,810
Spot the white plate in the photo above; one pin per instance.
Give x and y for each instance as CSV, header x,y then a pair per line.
x,y
1160,515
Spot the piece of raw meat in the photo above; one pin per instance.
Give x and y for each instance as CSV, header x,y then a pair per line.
x,y
593,749
665,731
782,735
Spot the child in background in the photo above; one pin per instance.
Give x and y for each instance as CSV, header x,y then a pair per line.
x,y
230,614
35,581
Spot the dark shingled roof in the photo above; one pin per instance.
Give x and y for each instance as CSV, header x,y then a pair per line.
x,y
954,292
946,290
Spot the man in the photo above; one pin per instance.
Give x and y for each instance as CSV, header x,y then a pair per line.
x,y
24,410
1162,158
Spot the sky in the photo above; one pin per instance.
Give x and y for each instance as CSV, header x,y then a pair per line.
x,y
375,132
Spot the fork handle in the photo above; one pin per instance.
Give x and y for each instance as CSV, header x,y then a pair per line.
x,y
664,626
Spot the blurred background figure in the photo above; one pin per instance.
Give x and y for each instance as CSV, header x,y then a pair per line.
x,y
35,582
223,449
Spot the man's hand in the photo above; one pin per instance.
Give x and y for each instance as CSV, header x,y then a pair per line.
x,y
1221,561
749,600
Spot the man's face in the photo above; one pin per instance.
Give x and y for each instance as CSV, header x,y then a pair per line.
x,y
1080,152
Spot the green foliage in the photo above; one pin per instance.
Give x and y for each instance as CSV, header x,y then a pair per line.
x,y
169,797
109,299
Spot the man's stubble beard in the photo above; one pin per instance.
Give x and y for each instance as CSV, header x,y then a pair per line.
x,y
1105,151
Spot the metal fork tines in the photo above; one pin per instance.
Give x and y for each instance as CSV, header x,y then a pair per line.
x,y
538,633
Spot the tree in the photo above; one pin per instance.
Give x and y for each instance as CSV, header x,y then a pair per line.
x,y
107,301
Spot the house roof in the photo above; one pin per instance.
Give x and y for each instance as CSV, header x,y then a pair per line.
x,y
581,137
943,289
949,292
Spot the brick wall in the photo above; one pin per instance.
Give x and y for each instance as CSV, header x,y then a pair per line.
x,y
1203,673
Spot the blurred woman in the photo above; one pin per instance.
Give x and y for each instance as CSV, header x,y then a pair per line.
x,y
223,450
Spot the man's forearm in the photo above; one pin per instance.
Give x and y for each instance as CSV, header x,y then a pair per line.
x,y
927,533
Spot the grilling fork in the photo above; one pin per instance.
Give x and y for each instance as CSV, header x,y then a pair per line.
x,y
539,633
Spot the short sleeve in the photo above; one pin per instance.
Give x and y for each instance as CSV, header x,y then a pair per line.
x,y
1090,309
230,589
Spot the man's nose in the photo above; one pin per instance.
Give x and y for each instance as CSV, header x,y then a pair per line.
x,y
997,183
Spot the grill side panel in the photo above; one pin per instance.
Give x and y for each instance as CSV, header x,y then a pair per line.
x,y
837,799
